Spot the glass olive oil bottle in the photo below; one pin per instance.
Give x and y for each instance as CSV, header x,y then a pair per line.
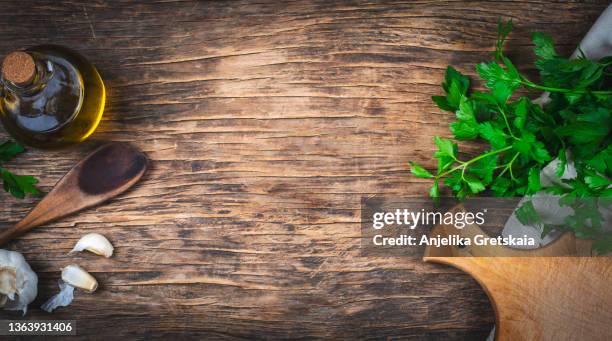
x,y
50,97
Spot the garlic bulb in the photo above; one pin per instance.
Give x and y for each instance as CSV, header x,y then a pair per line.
x,y
96,243
18,283
79,278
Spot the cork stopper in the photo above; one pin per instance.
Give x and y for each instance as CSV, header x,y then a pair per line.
x,y
18,68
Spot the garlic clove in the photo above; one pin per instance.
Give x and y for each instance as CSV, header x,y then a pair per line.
x,y
96,243
8,282
79,278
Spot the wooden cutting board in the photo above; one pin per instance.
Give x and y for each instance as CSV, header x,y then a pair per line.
x,y
538,297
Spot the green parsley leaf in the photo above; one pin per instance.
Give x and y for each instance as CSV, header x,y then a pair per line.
x,y
520,112
583,132
595,181
602,161
8,150
503,30
494,134
464,130
419,171
446,148
501,187
533,183
454,76
434,192
442,103
544,46
484,168
498,77
560,170
19,185
16,185
455,86
467,127
476,186
528,215
531,148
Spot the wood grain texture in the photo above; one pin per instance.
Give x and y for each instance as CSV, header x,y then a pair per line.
x,y
265,123
548,299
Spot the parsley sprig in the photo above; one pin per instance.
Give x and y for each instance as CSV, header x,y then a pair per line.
x,y
524,136
17,185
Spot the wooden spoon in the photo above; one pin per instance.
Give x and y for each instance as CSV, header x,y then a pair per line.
x,y
107,172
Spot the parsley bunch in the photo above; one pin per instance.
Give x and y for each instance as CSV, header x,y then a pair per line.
x,y
523,136
17,185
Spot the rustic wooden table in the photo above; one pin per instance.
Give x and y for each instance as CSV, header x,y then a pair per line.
x,y
265,124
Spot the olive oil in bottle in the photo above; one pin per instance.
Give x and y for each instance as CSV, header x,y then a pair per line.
x,y
50,97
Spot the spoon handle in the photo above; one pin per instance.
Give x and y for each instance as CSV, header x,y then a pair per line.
x,y
51,207
14,232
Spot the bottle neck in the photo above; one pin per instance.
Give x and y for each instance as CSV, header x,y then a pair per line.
x,y
43,71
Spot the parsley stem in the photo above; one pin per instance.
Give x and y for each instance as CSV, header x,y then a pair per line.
x,y
506,120
466,163
527,83
508,166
